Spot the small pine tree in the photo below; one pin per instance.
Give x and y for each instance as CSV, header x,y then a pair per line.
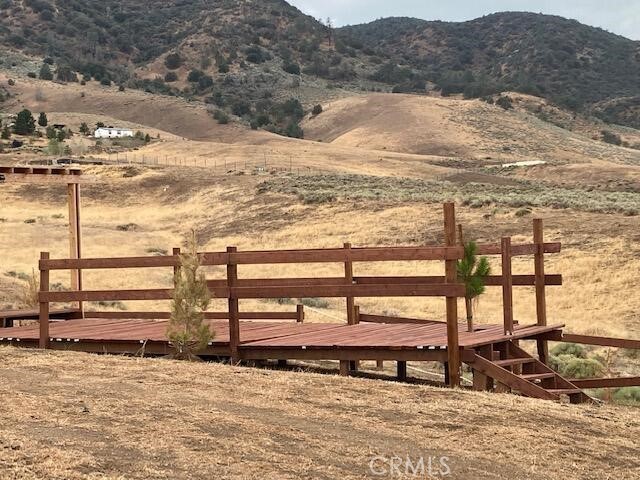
x,y
472,272
25,123
187,331
42,119
84,128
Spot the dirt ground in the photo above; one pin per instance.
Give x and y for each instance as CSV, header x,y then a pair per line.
x,y
105,417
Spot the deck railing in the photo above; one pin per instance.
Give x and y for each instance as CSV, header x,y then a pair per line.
x,y
348,286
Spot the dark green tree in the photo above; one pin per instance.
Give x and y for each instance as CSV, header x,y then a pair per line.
x,y
84,128
472,272
45,72
42,119
25,124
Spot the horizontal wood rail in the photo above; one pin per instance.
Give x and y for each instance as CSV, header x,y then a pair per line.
x,y
207,315
617,382
329,291
327,255
367,318
601,341
493,280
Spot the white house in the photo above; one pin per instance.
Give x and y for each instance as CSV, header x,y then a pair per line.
x,y
110,132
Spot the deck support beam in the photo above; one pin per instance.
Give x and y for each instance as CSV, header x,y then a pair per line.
x,y
402,371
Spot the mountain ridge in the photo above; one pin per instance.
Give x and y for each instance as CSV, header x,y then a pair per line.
x,y
248,58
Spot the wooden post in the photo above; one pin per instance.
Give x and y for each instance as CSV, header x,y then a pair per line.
x,y
356,314
300,313
75,236
402,371
344,368
176,268
507,286
351,311
541,300
451,276
234,316
348,276
43,319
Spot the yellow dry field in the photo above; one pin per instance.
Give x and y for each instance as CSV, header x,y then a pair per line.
x,y
109,417
151,212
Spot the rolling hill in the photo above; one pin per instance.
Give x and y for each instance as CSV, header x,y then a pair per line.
x,y
248,57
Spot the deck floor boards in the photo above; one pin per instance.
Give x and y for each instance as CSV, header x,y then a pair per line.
x,y
264,335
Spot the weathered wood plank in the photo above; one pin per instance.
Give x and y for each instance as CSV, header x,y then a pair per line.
x,y
602,341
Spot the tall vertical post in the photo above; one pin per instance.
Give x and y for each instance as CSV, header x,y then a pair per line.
x,y
541,300
43,318
451,276
234,315
507,286
348,277
75,236
299,313
350,301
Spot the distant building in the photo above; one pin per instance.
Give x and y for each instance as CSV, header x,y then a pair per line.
x,y
109,132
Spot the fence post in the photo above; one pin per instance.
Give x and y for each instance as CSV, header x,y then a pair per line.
x,y
451,276
348,276
351,311
234,316
507,286
43,319
300,313
541,301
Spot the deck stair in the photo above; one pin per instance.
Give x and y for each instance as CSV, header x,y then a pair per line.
x,y
507,367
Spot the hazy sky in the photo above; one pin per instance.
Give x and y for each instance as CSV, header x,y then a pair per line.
x,y
617,16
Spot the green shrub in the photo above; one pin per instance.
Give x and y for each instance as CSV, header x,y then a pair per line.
x,y
317,110
569,349
221,116
627,395
611,137
505,102
173,61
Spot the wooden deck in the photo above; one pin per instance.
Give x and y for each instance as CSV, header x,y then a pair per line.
x,y
273,340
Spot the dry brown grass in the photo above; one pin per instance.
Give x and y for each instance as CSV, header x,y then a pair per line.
x,y
599,262
82,417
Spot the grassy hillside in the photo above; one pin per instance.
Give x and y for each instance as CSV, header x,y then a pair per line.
x,y
248,58
76,416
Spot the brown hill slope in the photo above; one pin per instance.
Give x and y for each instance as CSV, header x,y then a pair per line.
x,y
63,417
454,127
